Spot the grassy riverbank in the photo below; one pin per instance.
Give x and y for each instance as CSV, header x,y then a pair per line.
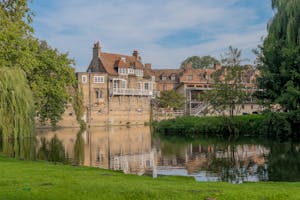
x,y
268,125
42,180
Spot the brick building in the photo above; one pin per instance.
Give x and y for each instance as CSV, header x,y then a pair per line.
x,y
117,89
193,82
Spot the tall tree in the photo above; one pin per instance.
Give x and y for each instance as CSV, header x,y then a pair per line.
x,y
200,62
232,57
229,93
49,73
280,72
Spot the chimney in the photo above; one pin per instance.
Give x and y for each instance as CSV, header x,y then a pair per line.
x,y
148,65
96,50
136,55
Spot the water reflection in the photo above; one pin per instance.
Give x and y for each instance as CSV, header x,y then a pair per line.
x,y
211,162
134,150
23,149
120,148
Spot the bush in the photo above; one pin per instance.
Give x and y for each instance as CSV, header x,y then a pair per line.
x,y
269,125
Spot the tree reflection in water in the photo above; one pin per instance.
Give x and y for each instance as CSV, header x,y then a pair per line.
x,y
134,150
284,162
53,150
18,148
79,149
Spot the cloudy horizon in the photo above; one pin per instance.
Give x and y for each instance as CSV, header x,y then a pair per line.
x,y
164,33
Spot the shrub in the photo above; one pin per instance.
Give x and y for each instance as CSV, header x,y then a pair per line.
x,y
270,125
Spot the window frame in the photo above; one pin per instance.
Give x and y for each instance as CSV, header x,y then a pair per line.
x,y
84,78
98,79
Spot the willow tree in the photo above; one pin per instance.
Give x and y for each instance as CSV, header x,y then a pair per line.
x,y
280,71
16,104
16,114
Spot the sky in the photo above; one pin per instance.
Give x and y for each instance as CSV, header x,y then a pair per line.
x,y
165,32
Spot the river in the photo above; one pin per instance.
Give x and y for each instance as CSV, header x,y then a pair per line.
x,y
135,150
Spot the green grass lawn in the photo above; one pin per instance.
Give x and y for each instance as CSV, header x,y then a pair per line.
x,y
42,180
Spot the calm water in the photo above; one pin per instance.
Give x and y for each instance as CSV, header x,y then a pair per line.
x,y
135,150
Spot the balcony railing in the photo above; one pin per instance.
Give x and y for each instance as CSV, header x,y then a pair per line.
x,y
133,92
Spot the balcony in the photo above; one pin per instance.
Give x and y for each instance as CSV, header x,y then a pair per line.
x,y
130,92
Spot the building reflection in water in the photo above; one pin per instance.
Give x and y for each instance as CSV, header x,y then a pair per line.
x,y
117,148
132,150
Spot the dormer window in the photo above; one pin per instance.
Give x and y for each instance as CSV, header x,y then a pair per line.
x,y
123,59
164,78
173,77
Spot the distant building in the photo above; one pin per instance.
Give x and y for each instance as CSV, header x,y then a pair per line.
x,y
193,82
117,89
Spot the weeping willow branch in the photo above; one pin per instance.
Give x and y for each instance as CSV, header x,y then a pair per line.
x,y
16,104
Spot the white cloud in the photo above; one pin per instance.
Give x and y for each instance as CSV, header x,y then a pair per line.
x,y
121,26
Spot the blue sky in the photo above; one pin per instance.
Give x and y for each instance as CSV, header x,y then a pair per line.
x,y
164,32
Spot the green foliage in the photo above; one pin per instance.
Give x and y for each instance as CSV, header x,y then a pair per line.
x,y
16,104
232,57
78,106
16,41
171,99
49,73
229,92
280,56
51,81
270,125
200,62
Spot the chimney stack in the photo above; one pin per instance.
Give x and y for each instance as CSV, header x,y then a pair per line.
x,y
136,55
96,50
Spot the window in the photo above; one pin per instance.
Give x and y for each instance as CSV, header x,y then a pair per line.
x,y
163,78
115,84
139,72
173,77
84,79
130,71
153,78
146,86
98,94
190,77
98,79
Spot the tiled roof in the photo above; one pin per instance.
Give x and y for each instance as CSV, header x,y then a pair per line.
x,y
111,61
166,72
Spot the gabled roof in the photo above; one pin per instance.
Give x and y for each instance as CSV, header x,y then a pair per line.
x,y
109,62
